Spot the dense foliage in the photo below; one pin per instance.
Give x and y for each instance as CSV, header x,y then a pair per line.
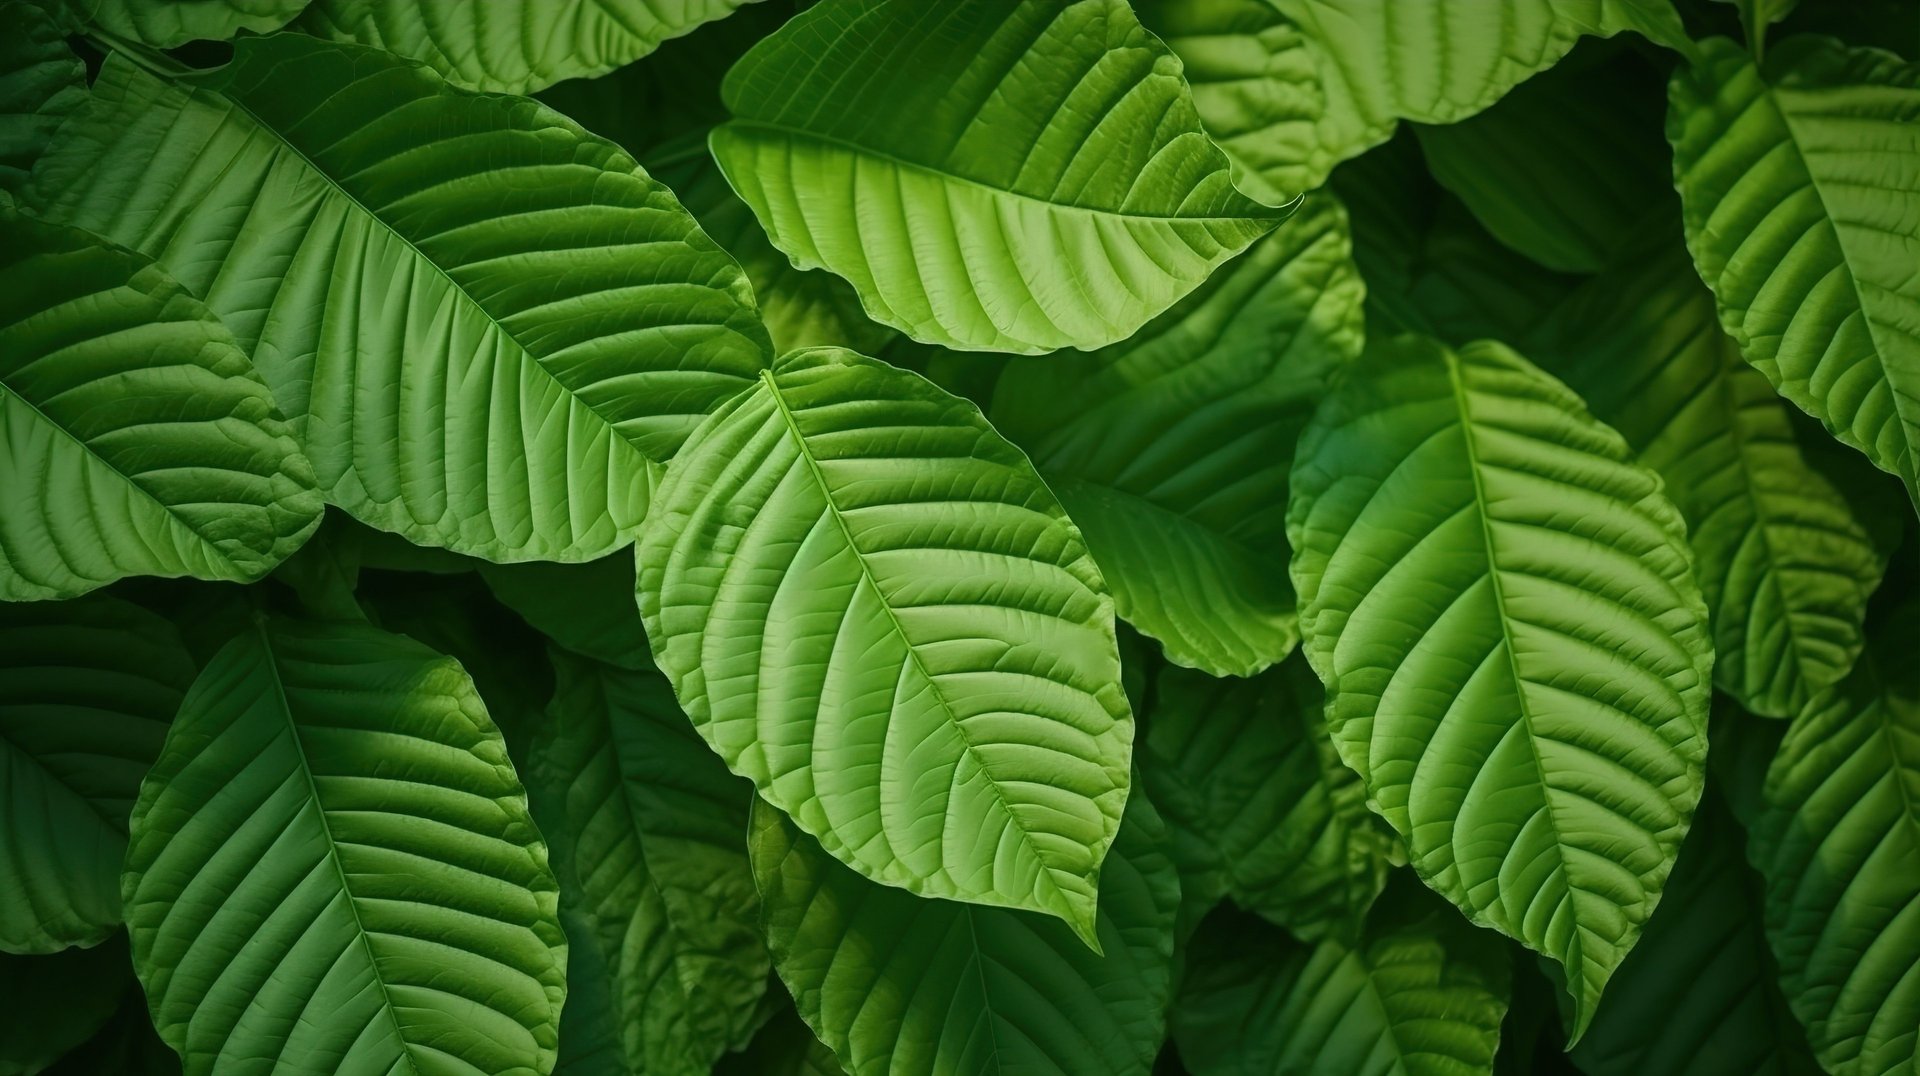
x,y
1231,537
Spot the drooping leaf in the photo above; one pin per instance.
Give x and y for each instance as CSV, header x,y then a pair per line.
x,y
870,604
648,831
1421,994
139,440
41,81
166,23
1789,538
1267,789
513,46
51,1004
1837,839
1171,449
483,321
1502,606
1698,996
587,608
984,144
86,690
910,987
332,868
1796,179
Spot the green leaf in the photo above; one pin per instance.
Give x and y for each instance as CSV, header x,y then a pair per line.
x,y
126,1046
911,987
41,82
587,608
786,1046
1422,994
1268,791
513,46
139,440
647,829
1529,167
870,604
483,320
86,690
1171,449
985,143
166,23
1502,606
1697,996
336,798
1837,841
1796,180
1788,536
51,1004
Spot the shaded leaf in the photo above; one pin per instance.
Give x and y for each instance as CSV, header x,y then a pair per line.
x,y
41,81
587,608
49,1005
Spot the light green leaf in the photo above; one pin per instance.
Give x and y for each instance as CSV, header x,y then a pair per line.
x,y
870,604
483,320
587,608
1697,996
51,1004
908,987
513,46
1789,538
166,23
984,144
86,690
1268,791
41,81
1171,449
97,343
648,834
1422,994
1796,178
1502,606
1837,841
337,798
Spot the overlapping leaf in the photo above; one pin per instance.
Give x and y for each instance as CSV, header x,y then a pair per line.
x,y
587,608
648,834
1796,177
483,320
984,146
871,605
910,987
41,81
333,869
166,23
1502,607
1171,449
51,1004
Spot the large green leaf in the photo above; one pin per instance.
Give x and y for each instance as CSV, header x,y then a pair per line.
x,y
1502,606
870,604
1837,840
139,440
1421,994
1171,449
908,987
483,320
985,144
333,869
1796,177
649,842
41,81
51,1004
86,690
1697,996
513,46
1267,790
1789,538
166,23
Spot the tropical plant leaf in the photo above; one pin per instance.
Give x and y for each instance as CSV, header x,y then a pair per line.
x,y
97,343
483,320
870,604
513,46
647,829
1837,840
337,798
1267,789
1422,994
1171,450
1788,537
1796,180
586,608
41,81
985,143
910,987
86,690
1698,995
166,23
51,1004
1502,606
